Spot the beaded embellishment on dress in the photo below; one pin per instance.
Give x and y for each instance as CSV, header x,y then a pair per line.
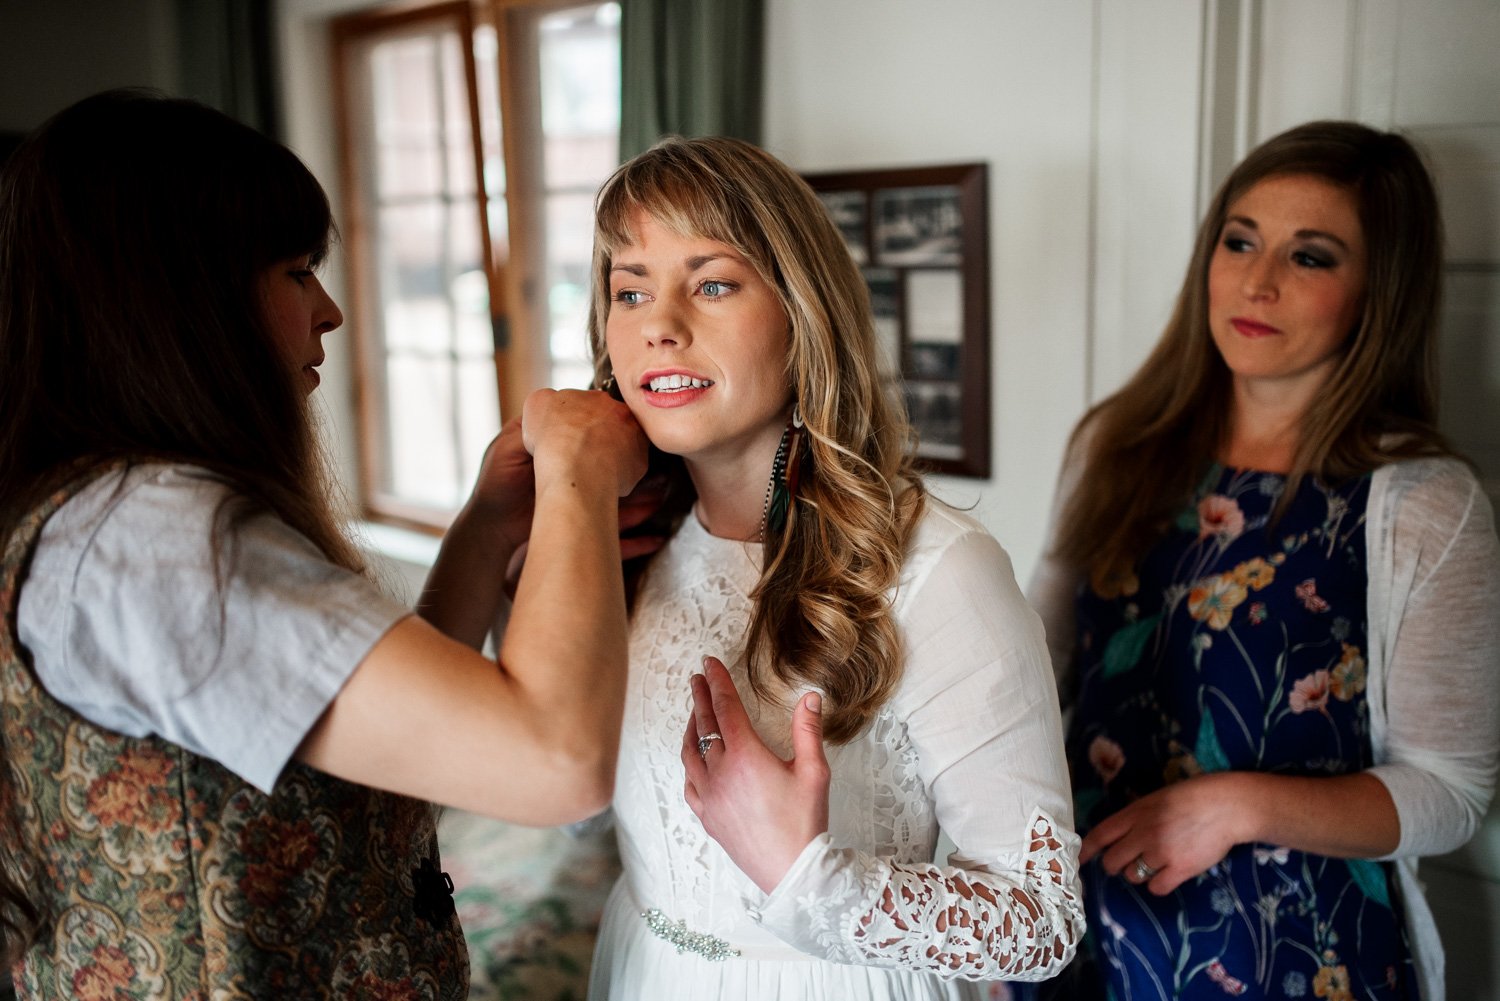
x,y
710,947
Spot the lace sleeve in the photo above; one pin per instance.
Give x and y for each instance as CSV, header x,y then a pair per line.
x,y
978,707
848,906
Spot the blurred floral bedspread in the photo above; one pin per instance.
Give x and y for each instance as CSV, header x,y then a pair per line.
x,y
530,901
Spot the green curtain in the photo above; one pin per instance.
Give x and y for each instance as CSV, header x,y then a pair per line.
x,y
689,68
225,51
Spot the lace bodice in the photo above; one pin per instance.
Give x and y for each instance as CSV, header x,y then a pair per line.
x,y
971,742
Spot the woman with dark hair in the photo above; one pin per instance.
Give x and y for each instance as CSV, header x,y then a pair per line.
x,y
210,719
841,600
1272,596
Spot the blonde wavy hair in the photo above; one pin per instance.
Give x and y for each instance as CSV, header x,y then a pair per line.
x,y
1145,447
822,611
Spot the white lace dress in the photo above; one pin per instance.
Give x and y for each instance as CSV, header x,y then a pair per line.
x,y
971,743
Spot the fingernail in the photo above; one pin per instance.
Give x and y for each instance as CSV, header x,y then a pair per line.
x,y
815,702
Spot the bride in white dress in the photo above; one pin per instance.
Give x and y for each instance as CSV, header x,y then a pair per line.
x,y
870,629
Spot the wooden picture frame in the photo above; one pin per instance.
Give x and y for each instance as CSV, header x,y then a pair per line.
x,y
920,235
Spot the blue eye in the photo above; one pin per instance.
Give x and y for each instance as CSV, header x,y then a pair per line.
x,y
628,297
715,289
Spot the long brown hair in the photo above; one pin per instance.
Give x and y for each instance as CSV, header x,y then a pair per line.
x,y
133,231
822,611
1144,447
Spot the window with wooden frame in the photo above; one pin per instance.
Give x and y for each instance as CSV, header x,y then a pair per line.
x,y
473,136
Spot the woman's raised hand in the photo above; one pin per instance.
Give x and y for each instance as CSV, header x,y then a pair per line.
x,y
568,431
762,810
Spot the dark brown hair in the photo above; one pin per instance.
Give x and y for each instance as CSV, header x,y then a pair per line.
x,y
133,232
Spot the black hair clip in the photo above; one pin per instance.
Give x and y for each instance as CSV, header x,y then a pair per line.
x,y
432,894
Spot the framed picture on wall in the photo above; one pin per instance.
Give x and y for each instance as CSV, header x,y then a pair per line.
x,y
921,237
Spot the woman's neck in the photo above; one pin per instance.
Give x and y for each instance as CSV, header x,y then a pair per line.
x,y
1265,424
732,492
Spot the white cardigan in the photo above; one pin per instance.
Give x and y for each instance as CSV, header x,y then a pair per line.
x,y
1433,603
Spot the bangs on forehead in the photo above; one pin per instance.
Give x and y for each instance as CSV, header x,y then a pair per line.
x,y
284,211
685,208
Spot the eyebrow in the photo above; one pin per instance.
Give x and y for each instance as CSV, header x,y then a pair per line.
x,y
1301,234
693,264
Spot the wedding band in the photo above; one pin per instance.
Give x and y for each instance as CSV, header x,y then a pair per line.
x,y
705,742
1142,871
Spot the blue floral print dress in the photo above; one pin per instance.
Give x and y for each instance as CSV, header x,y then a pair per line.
x,y
1236,649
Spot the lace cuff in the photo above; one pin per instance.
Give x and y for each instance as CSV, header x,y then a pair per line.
x,y
848,906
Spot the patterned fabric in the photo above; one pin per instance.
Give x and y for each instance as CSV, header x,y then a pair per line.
x,y
1236,650
164,876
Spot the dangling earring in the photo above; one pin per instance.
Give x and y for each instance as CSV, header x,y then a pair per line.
x,y
786,471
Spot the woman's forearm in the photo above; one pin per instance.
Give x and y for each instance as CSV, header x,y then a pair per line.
x,y
565,646
466,585
1345,816
1184,829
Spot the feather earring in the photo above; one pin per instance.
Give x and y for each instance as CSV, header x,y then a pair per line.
x,y
786,471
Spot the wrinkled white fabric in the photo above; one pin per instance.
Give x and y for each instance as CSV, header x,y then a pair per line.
x,y
971,742
135,621
1434,635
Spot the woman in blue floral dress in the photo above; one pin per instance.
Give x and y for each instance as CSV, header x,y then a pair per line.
x,y
1271,600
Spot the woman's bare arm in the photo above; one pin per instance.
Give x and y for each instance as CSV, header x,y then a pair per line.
x,y
533,738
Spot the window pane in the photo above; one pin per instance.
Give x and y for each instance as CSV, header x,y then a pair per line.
x,y
415,313
458,131
431,382
478,415
424,466
435,388
487,68
580,65
580,60
467,288
569,257
403,79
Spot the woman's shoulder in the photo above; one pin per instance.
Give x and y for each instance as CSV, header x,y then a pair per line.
x,y
1431,483
953,539
942,525
164,495
1447,470
1432,498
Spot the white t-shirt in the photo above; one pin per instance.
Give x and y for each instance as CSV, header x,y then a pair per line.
x,y
131,624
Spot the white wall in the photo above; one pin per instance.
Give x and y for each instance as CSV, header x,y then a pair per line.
x,y
1010,84
1055,95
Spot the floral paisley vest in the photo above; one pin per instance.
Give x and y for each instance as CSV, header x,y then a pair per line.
x,y
162,875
